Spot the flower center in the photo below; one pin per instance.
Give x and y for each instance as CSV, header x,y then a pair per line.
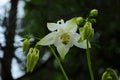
x,y
65,38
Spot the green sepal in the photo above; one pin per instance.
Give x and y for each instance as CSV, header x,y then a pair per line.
x,y
32,59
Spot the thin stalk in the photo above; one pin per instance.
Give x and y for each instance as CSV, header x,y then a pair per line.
x,y
89,62
35,37
59,63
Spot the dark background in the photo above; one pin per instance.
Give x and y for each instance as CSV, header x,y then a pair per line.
x,y
105,52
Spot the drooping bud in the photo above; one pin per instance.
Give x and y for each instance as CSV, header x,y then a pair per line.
x,y
32,59
79,20
87,32
106,76
26,44
93,13
109,74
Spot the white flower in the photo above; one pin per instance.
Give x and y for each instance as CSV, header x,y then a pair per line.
x,y
63,36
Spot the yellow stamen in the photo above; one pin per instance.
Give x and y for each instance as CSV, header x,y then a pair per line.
x,y
65,38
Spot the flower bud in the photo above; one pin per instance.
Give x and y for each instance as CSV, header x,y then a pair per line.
x,y
109,74
93,13
79,20
109,78
26,44
32,59
106,76
87,32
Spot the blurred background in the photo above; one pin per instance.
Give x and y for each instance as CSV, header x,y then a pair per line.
x,y
29,17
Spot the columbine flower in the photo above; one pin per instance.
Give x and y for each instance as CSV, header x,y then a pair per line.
x,y
63,36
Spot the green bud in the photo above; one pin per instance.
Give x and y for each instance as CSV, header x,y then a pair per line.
x,y
93,13
109,74
32,59
109,78
87,32
79,20
106,76
26,44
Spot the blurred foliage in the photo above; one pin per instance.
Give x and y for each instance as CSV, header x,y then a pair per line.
x,y
106,46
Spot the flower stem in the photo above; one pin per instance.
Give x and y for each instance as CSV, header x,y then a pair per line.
x,y
59,63
89,62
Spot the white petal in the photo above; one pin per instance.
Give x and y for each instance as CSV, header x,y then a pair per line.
x,y
48,39
71,25
62,49
82,44
76,36
61,24
52,26
60,21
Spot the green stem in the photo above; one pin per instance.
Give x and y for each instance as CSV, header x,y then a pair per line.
x,y
89,61
59,63
35,37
